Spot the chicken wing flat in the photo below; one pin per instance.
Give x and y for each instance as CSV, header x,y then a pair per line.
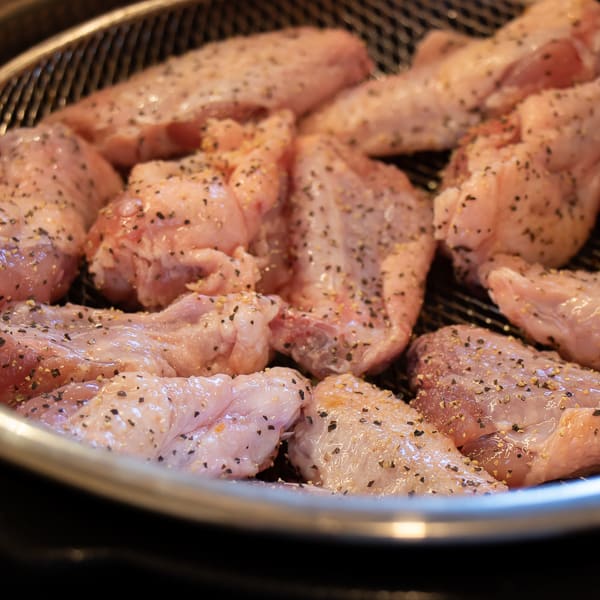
x,y
52,185
215,427
355,438
526,416
160,112
553,44
43,347
361,245
559,308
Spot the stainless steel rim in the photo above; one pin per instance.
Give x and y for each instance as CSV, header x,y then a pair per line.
x,y
547,510
64,39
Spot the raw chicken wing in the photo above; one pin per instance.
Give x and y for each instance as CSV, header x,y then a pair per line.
x,y
160,112
187,224
361,244
553,44
43,347
557,308
526,184
217,427
355,438
52,184
526,416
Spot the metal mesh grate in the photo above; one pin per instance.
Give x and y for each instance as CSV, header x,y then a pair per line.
x,y
390,29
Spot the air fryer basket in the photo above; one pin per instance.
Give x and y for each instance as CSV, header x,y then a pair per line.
x,y
111,48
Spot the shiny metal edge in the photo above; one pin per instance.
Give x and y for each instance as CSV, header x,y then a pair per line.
x,y
509,516
62,40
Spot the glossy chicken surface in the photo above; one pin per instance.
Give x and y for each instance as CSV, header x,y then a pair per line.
x,y
52,185
356,438
216,427
361,245
186,224
526,416
160,112
43,347
553,44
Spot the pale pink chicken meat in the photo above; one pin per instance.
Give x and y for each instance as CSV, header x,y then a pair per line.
x,y
361,246
553,44
354,438
187,224
527,184
160,112
216,427
437,44
526,416
556,308
43,347
52,184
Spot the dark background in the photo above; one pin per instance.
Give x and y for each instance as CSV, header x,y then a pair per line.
x,y
57,539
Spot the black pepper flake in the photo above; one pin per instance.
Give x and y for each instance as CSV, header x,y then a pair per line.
x,y
114,411
596,413
332,425
418,432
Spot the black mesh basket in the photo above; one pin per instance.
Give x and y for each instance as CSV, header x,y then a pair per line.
x,y
113,47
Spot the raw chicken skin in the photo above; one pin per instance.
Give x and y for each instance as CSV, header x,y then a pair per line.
x,y
553,44
437,44
217,427
526,416
361,245
187,224
557,308
160,112
43,347
358,439
527,184
52,185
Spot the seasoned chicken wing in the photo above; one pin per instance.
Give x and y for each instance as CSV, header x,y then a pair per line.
x,y
160,112
356,438
43,347
526,416
217,427
526,184
553,44
361,244
557,308
187,224
52,185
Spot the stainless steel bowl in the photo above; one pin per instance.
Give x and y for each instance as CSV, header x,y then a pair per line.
x,y
111,47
